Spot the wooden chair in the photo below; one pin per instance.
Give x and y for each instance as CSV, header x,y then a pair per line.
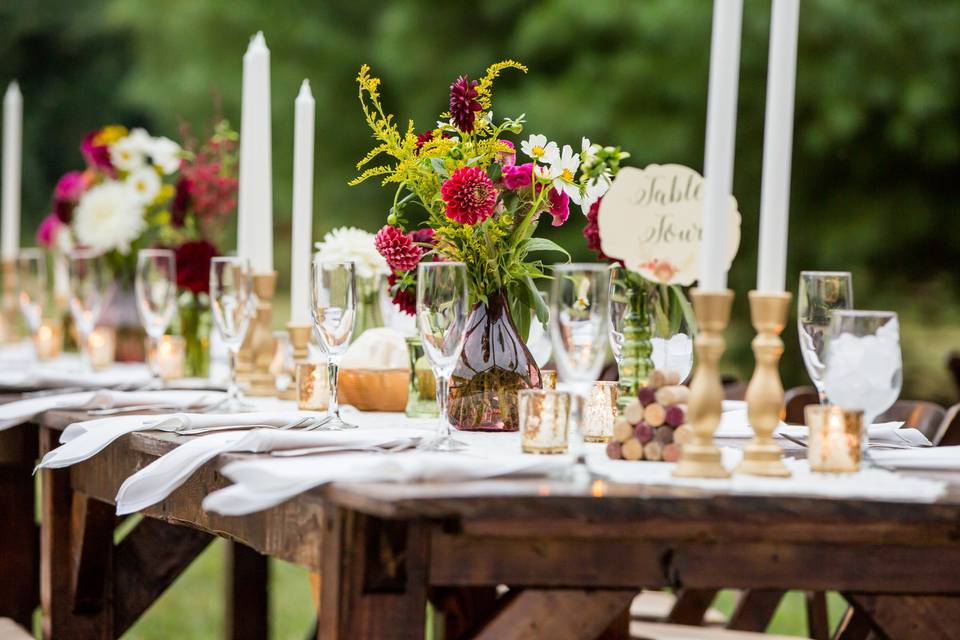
x,y
953,365
733,387
794,401
948,433
917,414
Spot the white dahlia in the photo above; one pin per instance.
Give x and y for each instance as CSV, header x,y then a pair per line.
x,y
356,245
109,216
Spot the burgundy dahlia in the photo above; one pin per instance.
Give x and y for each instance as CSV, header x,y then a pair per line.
x,y
405,299
469,195
181,202
592,233
463,103
422,236
397,248
193,265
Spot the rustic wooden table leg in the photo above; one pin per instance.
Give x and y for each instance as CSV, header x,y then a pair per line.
x,y
818,619
20,541
374,577
900,616
247,597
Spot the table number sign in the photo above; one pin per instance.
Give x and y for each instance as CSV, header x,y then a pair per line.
x,y
652,219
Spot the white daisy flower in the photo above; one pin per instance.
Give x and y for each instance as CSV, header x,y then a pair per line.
x,y
145,184
563,170
126,154
165,154
593,191
140,140
109,216
357,246
537,147
588,152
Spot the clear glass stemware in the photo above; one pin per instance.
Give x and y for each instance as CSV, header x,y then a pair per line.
x,y
87,284
443,303
864,369
820,294
32,285
333,295
231,298
156,291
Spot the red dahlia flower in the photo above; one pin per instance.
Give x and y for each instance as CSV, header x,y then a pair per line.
x,y
397,248
405,299
193,265
463,103
592,233
469,195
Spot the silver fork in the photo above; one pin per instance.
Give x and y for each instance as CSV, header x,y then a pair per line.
x,y
290,425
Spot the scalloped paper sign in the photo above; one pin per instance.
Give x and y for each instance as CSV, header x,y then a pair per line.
x,y
652,219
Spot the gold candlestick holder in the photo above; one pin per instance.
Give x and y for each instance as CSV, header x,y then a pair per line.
x,y
701,458
762,456
262,343
9,311
300,341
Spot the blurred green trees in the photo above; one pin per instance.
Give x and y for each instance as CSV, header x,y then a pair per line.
x,y
876,155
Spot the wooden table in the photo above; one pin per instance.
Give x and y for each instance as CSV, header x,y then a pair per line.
x,y
573,554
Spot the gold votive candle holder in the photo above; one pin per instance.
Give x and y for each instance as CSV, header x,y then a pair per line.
x,y
313,389
102,347
600,411
169,356
548,378
833,445
544,420
48,340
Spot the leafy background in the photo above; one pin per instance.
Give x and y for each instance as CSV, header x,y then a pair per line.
x,y
877,134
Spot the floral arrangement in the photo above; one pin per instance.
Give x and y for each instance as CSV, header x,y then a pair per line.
x,y
477,202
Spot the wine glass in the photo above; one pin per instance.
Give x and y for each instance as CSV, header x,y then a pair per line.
x,y
32,285
333,296
820,294
156,290
864,369
231,297
86,296
443,303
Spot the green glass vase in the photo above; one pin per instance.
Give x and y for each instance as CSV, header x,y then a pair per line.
x,y
636,359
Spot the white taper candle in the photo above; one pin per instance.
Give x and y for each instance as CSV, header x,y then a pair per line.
x,y
720,140
302,234
12,159
778,146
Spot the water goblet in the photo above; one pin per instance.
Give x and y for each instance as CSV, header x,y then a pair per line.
x,y
231,299
443,303
820,294
87,284
155,286
333,295
32,285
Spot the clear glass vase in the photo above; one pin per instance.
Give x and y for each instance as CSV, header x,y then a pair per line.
x,y
631,299
195,323
422,397
369,311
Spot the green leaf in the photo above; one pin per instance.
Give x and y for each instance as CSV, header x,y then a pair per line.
x,y
439,168
539,304
521,314
687,308
544,244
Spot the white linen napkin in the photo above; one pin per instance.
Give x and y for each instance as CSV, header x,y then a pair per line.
x,y
735,424
14,413
83,440
882,433
263,483
161,477
70,373
930,458
869,483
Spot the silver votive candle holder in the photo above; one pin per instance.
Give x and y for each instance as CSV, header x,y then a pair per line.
x,y
544,420
833,444
313,389
600,411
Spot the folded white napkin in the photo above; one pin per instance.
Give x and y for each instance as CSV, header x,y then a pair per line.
x,y
263,483
161,477
930,458
69,372
17,353
882,433
735,424
83,440
869,483
14,413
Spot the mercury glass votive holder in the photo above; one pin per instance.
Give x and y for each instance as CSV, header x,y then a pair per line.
x,y
548,378
169,357
102,347
544,420
313,389
48,340
833,445
600,411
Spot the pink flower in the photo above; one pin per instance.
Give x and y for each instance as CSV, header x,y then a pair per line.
x,y
469,195
507,158
397,248
70,187
559,207
517,176
464,103
96,155
48,230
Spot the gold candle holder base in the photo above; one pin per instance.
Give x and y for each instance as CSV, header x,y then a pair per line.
x,y
701,457
762,456
262,343
9,310
299,340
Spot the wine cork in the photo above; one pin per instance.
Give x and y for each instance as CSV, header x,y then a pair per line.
x,y
676,415
683,434
671,452
646,395
663,378
614,450
622,430
633,412
654,415
663,435
677,394
644,433
652,451
632,450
